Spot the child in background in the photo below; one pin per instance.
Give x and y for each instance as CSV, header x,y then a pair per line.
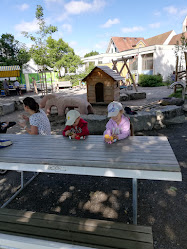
x,y
118,126
76,127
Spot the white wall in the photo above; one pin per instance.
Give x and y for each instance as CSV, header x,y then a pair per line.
x,y
164,61
164,58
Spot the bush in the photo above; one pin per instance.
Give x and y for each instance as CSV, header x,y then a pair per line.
x,y
150,80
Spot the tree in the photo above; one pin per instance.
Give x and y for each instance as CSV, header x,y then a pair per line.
x,y
60,55
38,50
91,54
12,52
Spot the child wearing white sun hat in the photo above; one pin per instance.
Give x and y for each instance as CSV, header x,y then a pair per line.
x,y
76,127
118,127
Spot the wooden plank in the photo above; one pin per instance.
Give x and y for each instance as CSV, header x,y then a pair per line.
x,y
73,231
81,221
147,153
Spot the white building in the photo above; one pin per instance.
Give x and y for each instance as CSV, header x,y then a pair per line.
x,y
155,55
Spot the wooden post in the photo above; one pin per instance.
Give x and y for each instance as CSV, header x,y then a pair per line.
x,y
176,72
185,54
42,84
45,84
51,83
114,66
134,84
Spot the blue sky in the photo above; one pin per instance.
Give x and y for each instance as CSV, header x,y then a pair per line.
x,y
88,24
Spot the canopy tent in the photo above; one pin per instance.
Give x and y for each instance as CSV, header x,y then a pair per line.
x,y
9,71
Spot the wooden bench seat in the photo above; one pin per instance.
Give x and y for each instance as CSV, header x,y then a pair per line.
x,y
73,230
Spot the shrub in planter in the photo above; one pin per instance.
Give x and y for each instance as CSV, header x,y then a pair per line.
x,y
150,80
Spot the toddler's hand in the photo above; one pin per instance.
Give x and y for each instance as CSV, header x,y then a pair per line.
x,y
73,135
115,137
67,133
107,140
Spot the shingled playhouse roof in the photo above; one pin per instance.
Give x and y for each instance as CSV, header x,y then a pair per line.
x,y
109,71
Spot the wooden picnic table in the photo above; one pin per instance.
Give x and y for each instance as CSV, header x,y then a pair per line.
x,y
138,157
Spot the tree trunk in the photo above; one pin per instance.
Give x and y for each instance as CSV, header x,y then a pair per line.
x,y
176,72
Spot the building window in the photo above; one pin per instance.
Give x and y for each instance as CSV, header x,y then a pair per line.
x,y
147,62
133,64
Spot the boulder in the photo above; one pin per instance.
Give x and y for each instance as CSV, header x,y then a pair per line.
x,y
175,120
18,105
137,95
171,101
96,123
7,108
124,97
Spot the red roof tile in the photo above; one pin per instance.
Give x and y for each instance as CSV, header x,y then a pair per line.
x,y
176,38
126,43
158,39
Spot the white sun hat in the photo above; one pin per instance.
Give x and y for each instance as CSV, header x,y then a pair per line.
x,y
114,108
71,116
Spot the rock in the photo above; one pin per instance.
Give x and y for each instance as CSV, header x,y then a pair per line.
x,y
143,121
184,107
96,123
157,118
137,95
172,101
7,108
124,97
18,105
175,120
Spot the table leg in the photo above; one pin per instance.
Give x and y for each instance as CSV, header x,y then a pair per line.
x,y
135,200
21,188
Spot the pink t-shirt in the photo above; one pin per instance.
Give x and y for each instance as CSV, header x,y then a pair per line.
x,y
122,130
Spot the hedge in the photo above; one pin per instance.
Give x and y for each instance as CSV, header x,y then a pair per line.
x,y
150,80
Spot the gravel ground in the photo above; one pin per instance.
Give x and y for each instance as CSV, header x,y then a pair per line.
x,y
161,204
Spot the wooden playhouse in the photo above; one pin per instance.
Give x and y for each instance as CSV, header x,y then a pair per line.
x,y
103,85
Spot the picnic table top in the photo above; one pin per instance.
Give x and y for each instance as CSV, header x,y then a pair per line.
x,y
151,153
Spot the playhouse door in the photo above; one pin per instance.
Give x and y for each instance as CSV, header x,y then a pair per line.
x,y
99,93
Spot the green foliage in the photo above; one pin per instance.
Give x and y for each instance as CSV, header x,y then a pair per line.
x,y
150,80
60,55
91,54
75,79
181,47
178,93
38,51
12,52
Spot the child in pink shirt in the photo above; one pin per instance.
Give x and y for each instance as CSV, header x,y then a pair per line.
x,y
118,126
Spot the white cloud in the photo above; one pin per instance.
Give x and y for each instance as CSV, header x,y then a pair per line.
x,y
67,28
77,7
23,7
110,22
101,45
73,43
171,10
82,51
133,29
154,25
183,12
27,26
157,13
53,1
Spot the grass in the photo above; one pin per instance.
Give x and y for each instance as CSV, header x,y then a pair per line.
x,y
178,93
